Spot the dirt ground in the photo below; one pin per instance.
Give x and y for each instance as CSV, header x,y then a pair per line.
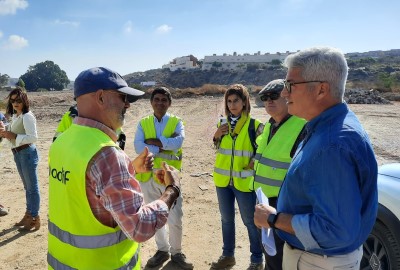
x,y
202,230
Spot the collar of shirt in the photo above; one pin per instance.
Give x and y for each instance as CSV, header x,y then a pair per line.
x,y
164,118
274,128
326,116
95,124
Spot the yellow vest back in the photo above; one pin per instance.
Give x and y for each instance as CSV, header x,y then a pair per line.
x,y
76,239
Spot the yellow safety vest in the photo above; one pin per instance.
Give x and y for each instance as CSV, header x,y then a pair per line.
x,y
272,159
232,157
76,239
170,157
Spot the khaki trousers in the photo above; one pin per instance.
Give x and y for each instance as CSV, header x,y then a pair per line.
x,y
302,260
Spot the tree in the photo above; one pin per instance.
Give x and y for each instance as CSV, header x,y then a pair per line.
x,y
252,67
45,75
20,83
4,79
276,62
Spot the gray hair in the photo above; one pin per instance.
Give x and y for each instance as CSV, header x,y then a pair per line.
x,y
321,64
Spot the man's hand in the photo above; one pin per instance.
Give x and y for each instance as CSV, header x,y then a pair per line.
x,y
261,215
250,166
168,175
144,162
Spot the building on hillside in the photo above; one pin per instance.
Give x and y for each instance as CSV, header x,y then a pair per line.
x,y
183,63
148,84
237,61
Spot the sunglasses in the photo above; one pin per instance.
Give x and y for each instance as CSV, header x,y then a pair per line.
x,y
123,96
17,100
271,96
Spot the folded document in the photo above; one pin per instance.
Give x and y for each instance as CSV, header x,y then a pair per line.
x,y
267,236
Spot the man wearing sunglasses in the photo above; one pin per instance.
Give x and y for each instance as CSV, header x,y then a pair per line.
x,y
327,203
276,147
97,214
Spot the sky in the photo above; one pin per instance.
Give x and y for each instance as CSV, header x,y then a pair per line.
x,y
137,35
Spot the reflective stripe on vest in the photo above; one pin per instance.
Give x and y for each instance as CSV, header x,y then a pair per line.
x,y
86,241
272,159
272,163
267,181
232,158
55,264
242,174
237,153
168,157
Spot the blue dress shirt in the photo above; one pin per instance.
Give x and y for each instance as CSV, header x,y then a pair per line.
x,y
331,185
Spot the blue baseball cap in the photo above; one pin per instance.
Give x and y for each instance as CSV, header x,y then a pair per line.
x,y
97,78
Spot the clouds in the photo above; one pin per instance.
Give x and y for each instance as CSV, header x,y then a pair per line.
x,y
163,29
11,6
67,23
128,27
14,42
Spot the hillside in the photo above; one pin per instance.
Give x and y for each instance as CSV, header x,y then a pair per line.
x,y
376,69
201,223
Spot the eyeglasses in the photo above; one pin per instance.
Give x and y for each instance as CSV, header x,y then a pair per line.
x,y
17,100
271,96
288,85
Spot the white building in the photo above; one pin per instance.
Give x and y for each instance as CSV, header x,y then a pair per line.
x,y
183,63
148,83
236,61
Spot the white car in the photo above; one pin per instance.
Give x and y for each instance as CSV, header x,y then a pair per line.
x,y
382,248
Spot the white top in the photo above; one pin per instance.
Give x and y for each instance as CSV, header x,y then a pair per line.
x,y
24,126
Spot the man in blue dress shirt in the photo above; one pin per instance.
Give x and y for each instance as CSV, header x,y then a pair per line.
x,y
328,201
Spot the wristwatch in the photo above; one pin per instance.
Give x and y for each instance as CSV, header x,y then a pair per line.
x,y
272,218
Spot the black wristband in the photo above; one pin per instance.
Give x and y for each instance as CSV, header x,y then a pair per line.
x,y
272,218
176,188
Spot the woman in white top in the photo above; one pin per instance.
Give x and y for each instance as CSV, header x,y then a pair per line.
x,y
22,134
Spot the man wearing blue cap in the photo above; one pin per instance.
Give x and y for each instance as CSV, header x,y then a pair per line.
x,y
97,215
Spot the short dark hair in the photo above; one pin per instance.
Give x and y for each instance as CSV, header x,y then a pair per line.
x,y
161,90
20,92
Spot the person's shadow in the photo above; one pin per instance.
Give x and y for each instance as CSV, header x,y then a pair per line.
x,y
12,238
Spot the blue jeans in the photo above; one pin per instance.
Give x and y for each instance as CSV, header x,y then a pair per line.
x,y
246,202
27,161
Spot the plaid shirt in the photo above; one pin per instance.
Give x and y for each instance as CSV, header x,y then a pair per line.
x,y
114,194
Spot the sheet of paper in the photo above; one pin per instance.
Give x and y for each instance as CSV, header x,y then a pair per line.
x,y
267,236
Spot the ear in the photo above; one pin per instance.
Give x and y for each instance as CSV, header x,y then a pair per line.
x,y
323,90
100,97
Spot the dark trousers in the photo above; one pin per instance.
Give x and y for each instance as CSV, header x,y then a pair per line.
x,y
274,262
